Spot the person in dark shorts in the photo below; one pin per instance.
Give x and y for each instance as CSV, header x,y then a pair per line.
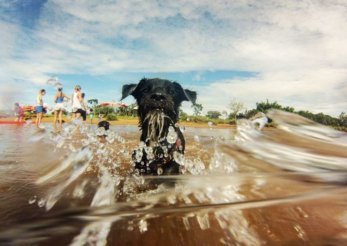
x,y
83,110
39,107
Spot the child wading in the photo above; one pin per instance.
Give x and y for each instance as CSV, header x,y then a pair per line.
x,y
39,108
18,112
59,108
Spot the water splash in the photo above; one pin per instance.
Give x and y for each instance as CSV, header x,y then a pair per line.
x,y
306,158
232,183
77,163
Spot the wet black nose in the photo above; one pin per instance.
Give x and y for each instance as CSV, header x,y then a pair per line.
x,y
158,97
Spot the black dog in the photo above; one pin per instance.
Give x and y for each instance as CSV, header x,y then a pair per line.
x,y
105,124
103,127
158,103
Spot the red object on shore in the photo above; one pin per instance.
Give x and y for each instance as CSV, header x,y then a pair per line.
x,y
113,104
11,122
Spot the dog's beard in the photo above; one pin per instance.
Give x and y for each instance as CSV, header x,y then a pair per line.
x,y
156,123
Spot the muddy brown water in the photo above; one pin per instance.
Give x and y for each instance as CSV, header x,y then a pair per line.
x,y
278,186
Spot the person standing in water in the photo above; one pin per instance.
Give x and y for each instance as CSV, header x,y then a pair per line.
x,y
77,102
91,115
18,112
59,108
84,107
39,108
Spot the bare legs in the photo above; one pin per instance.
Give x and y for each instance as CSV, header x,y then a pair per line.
x,y
58,115
38,119
55,119
77,115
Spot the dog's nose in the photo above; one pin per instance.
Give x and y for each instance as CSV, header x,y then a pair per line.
x,y
158,97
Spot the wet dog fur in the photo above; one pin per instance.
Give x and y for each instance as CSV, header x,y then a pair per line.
x,y
158,103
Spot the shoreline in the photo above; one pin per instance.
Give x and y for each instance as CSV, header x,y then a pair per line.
x,y
128,122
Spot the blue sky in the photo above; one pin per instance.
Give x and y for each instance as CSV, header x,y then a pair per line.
x,y
292,52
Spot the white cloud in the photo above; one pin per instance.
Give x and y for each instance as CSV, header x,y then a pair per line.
x,y
297,48
322,91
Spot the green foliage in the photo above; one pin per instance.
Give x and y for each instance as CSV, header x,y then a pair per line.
x,y
288,109
250,113
182,115
131,110
197,109
343,119
111,117
236,107
103,110
124,117
29,115
321,118
213,114
94,102
339,123
265,106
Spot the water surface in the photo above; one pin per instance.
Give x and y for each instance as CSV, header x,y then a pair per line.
x,y
243,186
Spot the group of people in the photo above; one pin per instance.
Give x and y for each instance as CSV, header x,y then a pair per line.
x,y
79,106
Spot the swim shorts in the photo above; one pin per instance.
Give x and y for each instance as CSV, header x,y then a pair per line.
x,y
39,109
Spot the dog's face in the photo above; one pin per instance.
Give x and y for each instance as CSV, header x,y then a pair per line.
x,y
158,95
158,105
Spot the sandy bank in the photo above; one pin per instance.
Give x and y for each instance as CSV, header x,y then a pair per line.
x,y
130,122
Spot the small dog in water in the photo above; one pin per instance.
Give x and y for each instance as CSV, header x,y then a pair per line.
x,y
158,103
105,124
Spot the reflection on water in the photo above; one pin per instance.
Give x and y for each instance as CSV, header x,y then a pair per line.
x,y
283,185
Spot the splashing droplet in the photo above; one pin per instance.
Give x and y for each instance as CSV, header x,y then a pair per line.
x,y
160,171
41,202
143,226
178,157
100,131
32,200
171,136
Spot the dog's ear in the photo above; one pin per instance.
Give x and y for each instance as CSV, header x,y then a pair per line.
x,y
190,95
128,90
185,95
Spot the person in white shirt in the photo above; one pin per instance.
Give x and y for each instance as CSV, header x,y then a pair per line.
x,y
77,99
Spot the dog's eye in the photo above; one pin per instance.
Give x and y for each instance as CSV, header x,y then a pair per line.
x,y
171,91
145,90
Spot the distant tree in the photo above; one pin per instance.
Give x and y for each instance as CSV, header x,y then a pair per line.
x,y
213,114
339,123
250,113
235,107
265,106
93,102
182,115
104,110
288,109
320,118
224,114
197,109
111,117
343,119
131,110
